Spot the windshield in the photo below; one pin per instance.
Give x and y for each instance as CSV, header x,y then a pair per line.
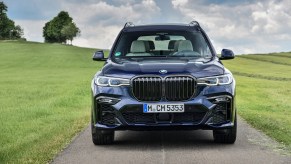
x,y
151,44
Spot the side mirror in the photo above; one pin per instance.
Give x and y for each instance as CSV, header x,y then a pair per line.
x,y
99,56
226,54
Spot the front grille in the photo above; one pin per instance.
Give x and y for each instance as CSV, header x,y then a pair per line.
x,y
147,88
179,88
172,88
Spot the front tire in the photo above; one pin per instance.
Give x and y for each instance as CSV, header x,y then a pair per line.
x,y
102,137
227,136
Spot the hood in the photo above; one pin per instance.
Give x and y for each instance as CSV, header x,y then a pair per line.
x,y
130,69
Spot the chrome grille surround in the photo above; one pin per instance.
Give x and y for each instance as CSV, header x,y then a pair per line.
x,y
157,88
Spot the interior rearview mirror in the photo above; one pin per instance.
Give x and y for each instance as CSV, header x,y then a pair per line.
x,y
99,56
162,37
226,54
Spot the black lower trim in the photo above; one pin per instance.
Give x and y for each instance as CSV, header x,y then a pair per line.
x,y
227,125
133,114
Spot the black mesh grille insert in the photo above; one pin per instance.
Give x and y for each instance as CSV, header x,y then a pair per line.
x,y
193,117
219,115
105,108
133,114
108,118
107,114
136,118
172,88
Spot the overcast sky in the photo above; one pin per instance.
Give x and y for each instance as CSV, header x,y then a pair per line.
x,y
245,26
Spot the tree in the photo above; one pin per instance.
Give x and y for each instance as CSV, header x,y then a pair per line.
x,y
70,31
3,8
8,30
52,31
16,33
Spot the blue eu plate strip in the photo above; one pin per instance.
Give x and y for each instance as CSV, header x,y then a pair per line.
x,y
145,106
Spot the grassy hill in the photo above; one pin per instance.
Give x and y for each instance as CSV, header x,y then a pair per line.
x,y
45,96
264,93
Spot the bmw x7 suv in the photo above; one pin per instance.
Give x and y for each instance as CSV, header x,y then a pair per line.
x,y
163,77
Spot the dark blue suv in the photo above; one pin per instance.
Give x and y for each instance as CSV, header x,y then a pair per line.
x,y
163,77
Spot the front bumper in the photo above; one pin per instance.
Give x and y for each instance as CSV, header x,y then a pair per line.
x,y
116,109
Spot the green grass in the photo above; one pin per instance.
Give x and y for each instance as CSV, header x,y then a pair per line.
x,y
264,93
275,59
260,67
44,97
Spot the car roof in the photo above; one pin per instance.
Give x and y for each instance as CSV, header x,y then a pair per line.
x,y
157,27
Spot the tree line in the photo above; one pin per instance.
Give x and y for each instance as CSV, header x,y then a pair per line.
x,y
8,29
61,29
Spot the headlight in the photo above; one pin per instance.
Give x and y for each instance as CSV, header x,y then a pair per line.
x,y
111,81
215,80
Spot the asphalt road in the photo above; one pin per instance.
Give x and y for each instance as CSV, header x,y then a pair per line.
x,y
176,147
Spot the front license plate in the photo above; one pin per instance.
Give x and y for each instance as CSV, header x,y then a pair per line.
x,y
163,108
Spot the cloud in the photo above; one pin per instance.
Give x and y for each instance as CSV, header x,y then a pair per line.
x,y
246,27
98,36
100,22
32,29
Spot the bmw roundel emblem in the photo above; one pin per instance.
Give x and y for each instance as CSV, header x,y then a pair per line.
x,y
163,71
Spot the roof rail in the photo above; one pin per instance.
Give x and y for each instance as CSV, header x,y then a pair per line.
x,y
194,23
128,24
